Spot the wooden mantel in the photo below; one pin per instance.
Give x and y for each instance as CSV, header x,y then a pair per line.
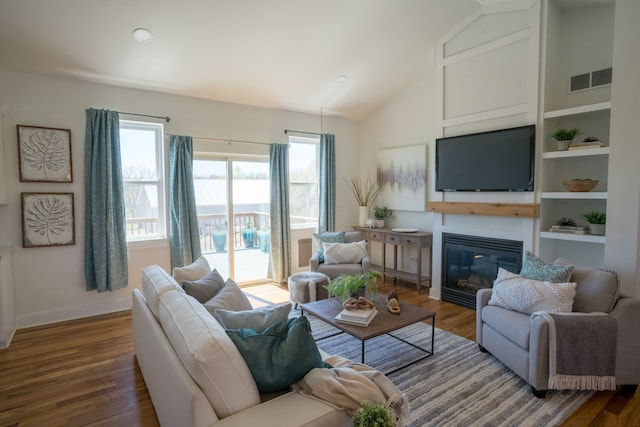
x,y
522,210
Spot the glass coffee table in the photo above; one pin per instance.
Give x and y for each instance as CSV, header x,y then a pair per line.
x,y
384,323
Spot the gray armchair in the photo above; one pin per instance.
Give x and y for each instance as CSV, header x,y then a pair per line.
x,y
522,342
335,270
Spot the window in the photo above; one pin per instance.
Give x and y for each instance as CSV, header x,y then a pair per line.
x,y
142,172
303,181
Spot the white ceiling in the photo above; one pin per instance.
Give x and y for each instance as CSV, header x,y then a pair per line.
x,y
282,54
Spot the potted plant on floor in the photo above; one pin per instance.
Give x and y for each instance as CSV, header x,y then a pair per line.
x,y
264,239
373,414
354,285
597,222
249,234
219,237
564,137
380,214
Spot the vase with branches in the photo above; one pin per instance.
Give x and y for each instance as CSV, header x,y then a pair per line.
x,y
365,191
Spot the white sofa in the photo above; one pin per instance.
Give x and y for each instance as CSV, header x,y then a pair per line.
x,y
195,374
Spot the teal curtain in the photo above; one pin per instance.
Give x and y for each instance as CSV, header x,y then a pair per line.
x,y
327,184
105,243
184,235
279,218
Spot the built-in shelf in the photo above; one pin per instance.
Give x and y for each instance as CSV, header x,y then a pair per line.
x,y
587,238
522,210
574,195
604,151
601,107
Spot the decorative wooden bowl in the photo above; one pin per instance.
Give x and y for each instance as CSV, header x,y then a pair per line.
x,y
580,185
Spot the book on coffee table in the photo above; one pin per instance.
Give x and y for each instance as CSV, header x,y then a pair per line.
x,y
356,317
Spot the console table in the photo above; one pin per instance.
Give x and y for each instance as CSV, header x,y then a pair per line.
x,y
418,240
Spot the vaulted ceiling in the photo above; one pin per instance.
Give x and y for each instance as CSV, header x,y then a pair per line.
x,y
283,54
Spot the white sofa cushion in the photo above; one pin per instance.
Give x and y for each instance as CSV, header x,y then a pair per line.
x,y
208,354
155,282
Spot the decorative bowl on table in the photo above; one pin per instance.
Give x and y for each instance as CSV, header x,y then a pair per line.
x,y
580,185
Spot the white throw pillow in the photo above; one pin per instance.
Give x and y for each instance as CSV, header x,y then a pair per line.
x,y
193,271
514,292
344,253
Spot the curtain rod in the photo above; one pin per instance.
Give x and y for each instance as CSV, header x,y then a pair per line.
x,y
286,131
228,140
167,118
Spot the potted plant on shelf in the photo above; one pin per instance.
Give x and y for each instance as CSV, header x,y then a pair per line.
x,y
249,234
365,192
373,414
354,285
380,214
597,222
564,137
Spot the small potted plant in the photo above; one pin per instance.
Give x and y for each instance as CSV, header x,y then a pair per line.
x,y
597,222
354,285
380,214
564,137
373,414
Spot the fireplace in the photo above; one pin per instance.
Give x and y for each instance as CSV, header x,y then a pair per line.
x,y
470,263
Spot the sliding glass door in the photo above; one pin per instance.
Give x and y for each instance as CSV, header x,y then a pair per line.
x,y
232,200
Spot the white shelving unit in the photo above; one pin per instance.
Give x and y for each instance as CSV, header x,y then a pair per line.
x,y
589,111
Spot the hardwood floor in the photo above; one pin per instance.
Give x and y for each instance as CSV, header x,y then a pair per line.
x,y
84,373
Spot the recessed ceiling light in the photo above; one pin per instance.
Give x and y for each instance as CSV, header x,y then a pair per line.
x,y
341,78
142,35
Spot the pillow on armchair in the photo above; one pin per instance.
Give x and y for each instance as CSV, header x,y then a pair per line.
x,y
344,253
328,237
517,293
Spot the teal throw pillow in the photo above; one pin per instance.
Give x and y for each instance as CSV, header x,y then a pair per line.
x,y
279,356
327,237
258,319
535,268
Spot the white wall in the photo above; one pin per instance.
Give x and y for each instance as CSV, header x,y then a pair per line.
x,y
407,119
50,281
623,204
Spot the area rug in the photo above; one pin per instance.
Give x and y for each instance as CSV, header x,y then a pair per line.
x,y
458,385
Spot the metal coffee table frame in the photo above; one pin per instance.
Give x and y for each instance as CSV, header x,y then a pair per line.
x,y
383,324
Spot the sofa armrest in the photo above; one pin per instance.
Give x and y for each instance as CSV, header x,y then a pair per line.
x,y
482,299
314,262
366,265
539,353
627,315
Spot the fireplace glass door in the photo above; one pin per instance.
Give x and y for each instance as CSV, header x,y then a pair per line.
x,y
470,263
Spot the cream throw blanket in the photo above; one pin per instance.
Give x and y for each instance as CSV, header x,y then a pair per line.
x,y
347,384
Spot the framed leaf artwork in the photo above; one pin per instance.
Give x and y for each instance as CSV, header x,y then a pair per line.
x,y
48,219
44,154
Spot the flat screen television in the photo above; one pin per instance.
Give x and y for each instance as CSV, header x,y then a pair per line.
x,y
499,160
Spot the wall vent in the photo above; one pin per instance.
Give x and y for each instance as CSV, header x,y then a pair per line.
x,y
594,79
